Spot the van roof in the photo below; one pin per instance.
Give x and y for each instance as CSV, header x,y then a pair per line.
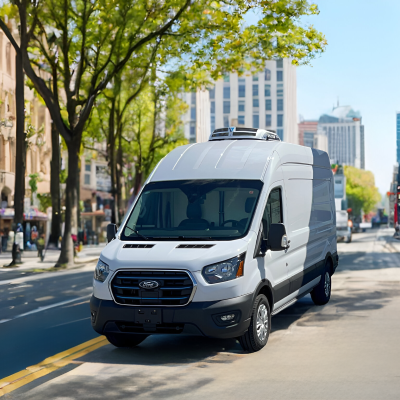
x,y
232,159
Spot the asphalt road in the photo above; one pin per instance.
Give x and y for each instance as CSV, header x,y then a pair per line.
x,y
41,316
348,349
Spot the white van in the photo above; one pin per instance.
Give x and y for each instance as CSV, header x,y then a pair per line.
x,y
223,235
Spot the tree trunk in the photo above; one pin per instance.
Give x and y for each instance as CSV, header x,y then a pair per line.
x,y
71,195
138,181
111,163
55,186
20,148
119,175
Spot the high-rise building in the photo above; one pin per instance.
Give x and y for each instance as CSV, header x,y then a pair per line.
x,y
345,134
398,136
308,136
265,99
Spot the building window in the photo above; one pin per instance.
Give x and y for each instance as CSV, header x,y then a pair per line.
x,y
241,106
267,74
280,120
279,76
227,107
211,91
193,113
227,92
226,121
267,91
279,89
193,129
256,121
242,91
87,179
268,105
241,120
88,167
226,78
268,120
280,105
255,90
212,107
212,123
256,103
193,98
279,63
255,77
279,132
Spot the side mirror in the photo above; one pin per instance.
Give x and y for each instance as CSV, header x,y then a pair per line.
x,y
111,231
277,239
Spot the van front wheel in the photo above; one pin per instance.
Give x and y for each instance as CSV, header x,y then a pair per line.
x,y
257,335
322,292
121,340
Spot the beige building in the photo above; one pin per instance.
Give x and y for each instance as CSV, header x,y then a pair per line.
x,y
37,124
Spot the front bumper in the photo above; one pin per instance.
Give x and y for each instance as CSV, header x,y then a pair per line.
x,y
195,318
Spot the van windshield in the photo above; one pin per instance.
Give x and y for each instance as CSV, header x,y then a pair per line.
x,y
193,210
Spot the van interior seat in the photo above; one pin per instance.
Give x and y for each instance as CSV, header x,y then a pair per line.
x,y
248,208
194,220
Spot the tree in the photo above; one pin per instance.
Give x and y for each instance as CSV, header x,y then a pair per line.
x,y
361,190
88,43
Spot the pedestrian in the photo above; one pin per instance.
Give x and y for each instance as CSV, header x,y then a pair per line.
x,y
40,246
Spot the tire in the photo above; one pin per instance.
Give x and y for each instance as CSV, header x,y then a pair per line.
x,y
123,340
254,340
321,294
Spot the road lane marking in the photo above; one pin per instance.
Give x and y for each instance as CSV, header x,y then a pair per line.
x,y
50,364
36,310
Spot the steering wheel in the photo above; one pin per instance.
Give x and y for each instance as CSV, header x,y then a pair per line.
x,y
234,223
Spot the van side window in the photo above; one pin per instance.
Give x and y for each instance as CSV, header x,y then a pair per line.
x,y
273,211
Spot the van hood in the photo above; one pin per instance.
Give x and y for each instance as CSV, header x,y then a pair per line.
x,y
168,255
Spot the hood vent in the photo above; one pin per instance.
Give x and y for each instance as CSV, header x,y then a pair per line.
x,y
195,246
138,246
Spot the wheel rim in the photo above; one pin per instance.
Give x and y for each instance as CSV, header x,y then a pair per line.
x,y
327,284
262,322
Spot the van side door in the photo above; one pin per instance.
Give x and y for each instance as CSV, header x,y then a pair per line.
x,y
274,261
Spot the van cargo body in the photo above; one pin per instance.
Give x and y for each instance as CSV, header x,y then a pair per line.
x,y
223,235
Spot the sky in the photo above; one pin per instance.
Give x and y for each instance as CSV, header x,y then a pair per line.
x,y
361,67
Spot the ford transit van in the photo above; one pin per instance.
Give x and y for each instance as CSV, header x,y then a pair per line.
x,y
224,235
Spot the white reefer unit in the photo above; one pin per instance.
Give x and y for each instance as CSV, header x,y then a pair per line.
x,y
223,235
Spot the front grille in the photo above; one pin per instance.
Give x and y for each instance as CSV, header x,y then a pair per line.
x,y
220,130
175,288
138,246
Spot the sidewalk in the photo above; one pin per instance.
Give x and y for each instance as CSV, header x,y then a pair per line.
x,y
31,263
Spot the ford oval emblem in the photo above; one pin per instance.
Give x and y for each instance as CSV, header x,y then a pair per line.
x,y
148,284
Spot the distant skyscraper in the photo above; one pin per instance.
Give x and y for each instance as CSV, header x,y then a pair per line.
x,y
308,136
398,136
266,99
345,133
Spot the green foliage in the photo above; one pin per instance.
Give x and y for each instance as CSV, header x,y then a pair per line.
x,y
63,176
44,201
34,179
361,190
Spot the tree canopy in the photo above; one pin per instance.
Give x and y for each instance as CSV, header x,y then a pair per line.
x,y
361,190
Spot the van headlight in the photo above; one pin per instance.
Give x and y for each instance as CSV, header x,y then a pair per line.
x,y
225,270
101,271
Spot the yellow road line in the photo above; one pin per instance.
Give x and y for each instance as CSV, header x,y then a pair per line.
x,y
48,365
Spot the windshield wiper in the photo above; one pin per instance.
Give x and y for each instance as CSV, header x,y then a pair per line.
x,y
138,233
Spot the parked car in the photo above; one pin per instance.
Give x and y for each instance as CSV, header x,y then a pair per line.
x,y
223,235
343,230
